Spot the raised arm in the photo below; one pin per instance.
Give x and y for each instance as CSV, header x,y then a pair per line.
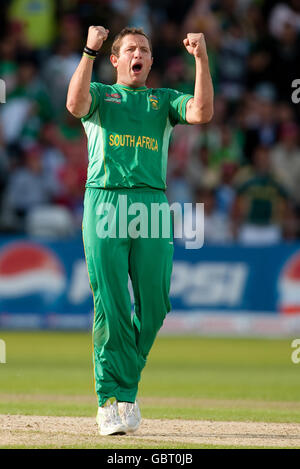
x,y
79,98
199,110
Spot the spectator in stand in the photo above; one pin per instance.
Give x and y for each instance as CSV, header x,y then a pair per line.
x,y
28,187
200,17
178,188
286,57
167,35
262,205
8,63
229,149
285,159
199,172
182,144
253,21
232,63
285,113
259,122
217,226
59,68
136,13
282,14
225,191
28,106
259,66
72,175
54,160
210,135
38,18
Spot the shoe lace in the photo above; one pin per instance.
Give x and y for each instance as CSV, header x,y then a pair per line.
x,y
129,409
111,414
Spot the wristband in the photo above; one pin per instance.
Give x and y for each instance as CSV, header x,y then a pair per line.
x,y
91,52
88,55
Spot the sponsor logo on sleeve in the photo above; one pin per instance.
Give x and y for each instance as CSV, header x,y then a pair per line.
x,y
113,98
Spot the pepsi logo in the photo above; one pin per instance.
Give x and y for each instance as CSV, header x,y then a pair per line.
x,y
289,286
27,269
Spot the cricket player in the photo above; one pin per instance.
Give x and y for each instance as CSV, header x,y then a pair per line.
x,y
128,127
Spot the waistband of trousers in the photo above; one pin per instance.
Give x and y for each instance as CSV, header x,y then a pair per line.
x,y
127,189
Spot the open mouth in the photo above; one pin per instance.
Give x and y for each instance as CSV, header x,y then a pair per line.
x,y
136,68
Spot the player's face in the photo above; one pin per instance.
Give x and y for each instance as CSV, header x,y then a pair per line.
x,y
134,61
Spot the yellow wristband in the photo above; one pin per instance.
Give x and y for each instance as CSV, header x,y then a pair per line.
x,y
89,56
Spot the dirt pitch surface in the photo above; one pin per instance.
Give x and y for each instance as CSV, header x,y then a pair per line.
x,y
35,431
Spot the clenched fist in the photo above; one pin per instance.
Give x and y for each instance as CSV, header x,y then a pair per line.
x,y
195,45
96,36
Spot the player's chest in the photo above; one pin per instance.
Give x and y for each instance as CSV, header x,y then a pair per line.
x,y
139,108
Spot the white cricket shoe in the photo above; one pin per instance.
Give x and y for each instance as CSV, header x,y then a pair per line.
x,y
109,421
130,415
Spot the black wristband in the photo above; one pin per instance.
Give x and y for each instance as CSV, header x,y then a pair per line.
x,y
91,52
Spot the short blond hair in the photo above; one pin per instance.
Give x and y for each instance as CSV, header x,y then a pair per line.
x,y
115,48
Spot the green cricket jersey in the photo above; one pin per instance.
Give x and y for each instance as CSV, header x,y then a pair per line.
x,y
128,131
263,195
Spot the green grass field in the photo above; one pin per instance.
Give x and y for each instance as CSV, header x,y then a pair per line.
x,y
51,374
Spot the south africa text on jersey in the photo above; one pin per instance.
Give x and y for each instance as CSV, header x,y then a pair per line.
x,y
116,140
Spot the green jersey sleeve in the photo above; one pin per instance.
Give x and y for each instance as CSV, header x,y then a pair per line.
x,y
95,90
177,109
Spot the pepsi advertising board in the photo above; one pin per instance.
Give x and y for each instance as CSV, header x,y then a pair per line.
x,y
45,284
237,279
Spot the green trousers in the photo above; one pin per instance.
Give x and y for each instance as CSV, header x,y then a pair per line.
x,y
122,340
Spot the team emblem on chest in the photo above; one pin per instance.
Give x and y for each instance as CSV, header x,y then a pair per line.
x,y
154,102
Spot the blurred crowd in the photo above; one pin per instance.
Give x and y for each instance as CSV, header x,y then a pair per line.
x,y
244,165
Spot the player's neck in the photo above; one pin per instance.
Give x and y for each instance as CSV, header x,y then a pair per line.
x,y
130,85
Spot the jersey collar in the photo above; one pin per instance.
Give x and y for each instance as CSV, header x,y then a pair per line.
x,y
128,88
